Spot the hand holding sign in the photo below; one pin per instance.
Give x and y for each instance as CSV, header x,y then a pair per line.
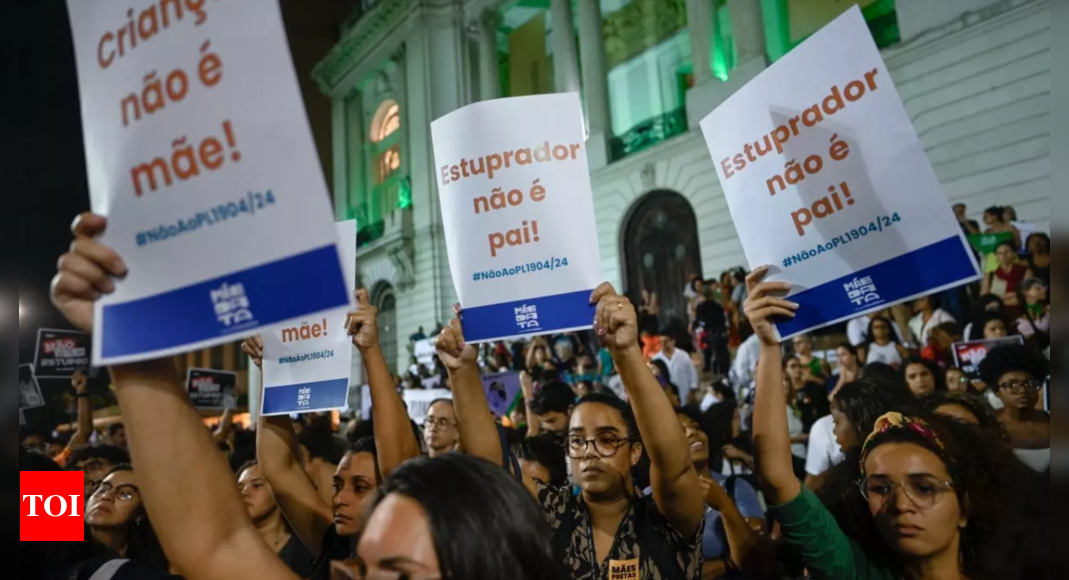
x,y
454,352
85,272
760,307
254,347
363,324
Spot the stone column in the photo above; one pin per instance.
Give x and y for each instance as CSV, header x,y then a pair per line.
x,y
489,74
565,52
702,28
748,28
595,83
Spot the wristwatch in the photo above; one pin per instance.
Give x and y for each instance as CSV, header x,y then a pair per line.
x,y
81,395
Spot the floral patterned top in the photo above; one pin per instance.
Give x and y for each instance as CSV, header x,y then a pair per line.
x,y
562,507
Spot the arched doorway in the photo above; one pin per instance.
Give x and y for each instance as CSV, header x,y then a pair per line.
x,y
385,300
661,253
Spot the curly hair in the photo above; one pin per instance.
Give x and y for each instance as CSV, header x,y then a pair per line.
x,y
992,485
1012,358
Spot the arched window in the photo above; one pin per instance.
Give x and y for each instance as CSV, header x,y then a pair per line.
x,y
387,121
385,138
385,170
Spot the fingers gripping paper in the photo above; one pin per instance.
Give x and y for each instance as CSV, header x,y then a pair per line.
x,y
199,154
519,215
829,185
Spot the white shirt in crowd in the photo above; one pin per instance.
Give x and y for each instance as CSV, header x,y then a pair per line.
x,y
682,372
824,450
795,427
887,354
857,330
921,331
745,366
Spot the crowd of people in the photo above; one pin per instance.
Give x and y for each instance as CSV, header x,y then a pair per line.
x,y
643,449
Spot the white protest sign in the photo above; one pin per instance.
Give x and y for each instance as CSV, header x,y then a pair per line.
x,y
419,402
200,155
306,366
519,215
424,352
829,185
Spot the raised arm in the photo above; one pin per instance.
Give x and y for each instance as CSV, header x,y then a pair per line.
x,y
746,547
189,492
534,426
676,487
85,412
394,438
279,458
475,421
772,440
226,424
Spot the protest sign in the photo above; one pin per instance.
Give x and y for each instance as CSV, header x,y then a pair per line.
x,y
969,355
60,353
501,391
212,390
518,215
30,396
419,402
199,153
424,352
828,184
307,365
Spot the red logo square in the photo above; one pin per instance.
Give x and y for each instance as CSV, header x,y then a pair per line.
x,y
53,506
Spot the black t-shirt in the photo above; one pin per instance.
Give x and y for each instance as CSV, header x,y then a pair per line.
x,y
711,316
298,557
335,549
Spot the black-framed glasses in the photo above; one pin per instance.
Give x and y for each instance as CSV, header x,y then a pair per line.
x,y
923,490
1015,387
606,445
122,492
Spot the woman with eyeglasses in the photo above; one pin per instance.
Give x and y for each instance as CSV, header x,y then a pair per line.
x,y
1017,374
934,507
117,522
608,530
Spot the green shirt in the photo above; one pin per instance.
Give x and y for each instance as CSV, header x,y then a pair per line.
x,y
812,533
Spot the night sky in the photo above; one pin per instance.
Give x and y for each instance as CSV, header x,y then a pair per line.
x,y
49,142
54,187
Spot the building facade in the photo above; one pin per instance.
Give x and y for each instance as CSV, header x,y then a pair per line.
x,y
974,75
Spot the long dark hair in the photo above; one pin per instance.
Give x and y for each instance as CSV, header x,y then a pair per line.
x,y
485,524
992,485
866,400
717,425
872,335
142,544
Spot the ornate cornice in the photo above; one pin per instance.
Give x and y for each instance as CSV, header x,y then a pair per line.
x,y
378,23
